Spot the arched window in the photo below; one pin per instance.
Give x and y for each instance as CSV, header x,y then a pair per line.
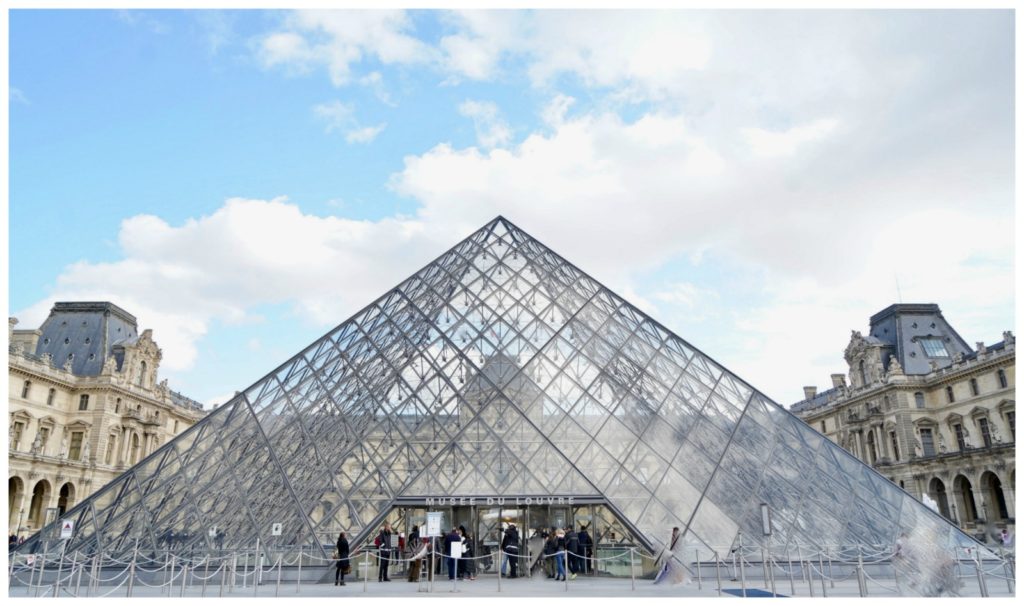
x,y
66,499
949,394
25,389
919,399
872,450
142,374
15,492
135,448
863,374
974,387
83,402
938,493
51,397
1001,375
117,406
40,496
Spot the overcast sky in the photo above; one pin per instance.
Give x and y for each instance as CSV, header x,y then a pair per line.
x,y
760,182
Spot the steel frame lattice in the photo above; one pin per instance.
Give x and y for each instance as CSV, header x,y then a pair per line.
x,y
499,369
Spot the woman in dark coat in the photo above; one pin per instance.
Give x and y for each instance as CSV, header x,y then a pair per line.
x,y
342,565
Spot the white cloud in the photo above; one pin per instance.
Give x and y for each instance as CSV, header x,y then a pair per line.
x,y
340,117
16,94
375,82
337,116
337,40
773,144
178,280
491,130
143,18
365,134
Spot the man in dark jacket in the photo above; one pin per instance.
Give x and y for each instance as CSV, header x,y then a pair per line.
x,y
572,545
510,547
586,548
449,539
383,542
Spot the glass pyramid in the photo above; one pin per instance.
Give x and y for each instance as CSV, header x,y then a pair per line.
x,y
500,369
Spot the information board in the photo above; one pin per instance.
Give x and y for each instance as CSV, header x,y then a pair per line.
x,y
434,523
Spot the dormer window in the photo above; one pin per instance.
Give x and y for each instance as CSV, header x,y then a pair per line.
x,y
934,348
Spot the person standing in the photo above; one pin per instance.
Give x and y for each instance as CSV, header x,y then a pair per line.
x,y
559,555
449,540
383,542
510,549
572,546
342,564
415,545
586,549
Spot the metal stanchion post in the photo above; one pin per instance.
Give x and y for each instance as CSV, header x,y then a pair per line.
x,y
245,571
257,576
170,580
223,576
497,566
131,567
861,585
366,568
696,558
789,567
234,572
831,576
718,572
565,567
430,574
184,579
771,565
280,566
257,571
981,574
632,571
821,573
94,582
803,567
42,568
60,568
743,572
1007,572
298,578
764,569
78,583
206,574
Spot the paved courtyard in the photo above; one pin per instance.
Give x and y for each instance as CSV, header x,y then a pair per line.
x,y
487,586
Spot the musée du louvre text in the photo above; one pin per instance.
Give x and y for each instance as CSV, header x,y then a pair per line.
x,y
506,500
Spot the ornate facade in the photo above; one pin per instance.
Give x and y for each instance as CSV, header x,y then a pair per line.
x,y
85,403
928,411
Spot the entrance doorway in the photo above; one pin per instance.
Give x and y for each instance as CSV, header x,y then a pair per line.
x,y
486,523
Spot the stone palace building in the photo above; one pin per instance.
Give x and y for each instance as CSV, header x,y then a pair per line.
x,y
928,411
85,402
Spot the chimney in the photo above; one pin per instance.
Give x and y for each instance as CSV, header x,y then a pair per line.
x,y
810,391
839,380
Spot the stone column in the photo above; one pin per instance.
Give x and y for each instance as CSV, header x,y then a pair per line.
x,y
1008,498
980,504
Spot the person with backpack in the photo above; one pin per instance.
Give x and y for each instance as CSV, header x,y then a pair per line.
x,y
510,549
559,555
